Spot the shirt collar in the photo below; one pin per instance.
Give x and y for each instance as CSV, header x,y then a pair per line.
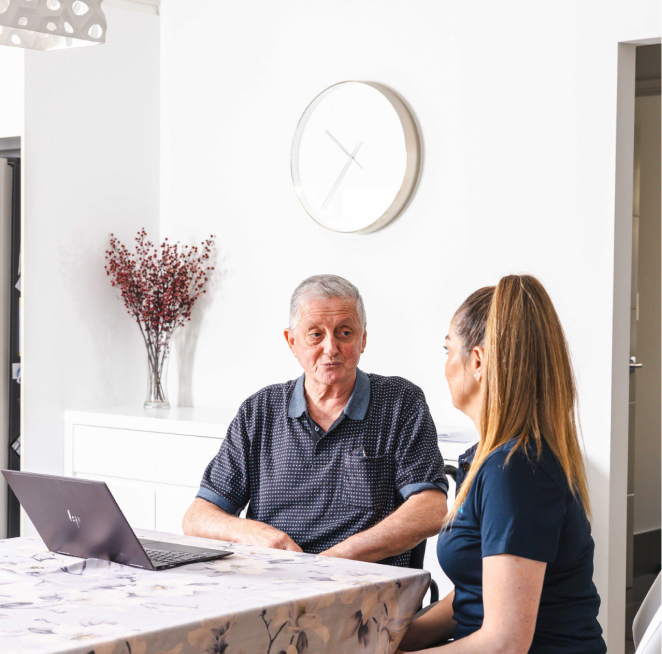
x,y
356,407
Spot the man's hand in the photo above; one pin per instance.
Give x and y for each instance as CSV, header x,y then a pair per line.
x,y
207,520
267,536
337,551
420,517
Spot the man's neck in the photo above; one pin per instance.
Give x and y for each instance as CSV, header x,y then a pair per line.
x,y
326,401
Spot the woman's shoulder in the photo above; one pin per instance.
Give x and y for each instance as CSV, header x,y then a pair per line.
x,y
523,464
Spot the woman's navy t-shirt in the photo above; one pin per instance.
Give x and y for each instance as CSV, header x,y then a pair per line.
x,y
525,508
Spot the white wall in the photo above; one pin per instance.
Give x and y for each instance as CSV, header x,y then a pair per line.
x,y
91,157
517,109
11,91
647,414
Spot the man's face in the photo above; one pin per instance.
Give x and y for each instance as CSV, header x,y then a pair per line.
x,y
329,340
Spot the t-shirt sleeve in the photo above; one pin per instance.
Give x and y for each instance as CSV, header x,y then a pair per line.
x,y
419,465
520,508
225,481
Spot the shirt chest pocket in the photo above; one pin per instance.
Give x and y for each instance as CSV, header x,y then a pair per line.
x,y
368,481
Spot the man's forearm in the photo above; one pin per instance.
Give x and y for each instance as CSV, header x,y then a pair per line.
x,y
420,517
206,520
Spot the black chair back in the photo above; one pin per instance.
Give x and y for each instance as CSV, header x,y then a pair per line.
x,y
418,556
416,561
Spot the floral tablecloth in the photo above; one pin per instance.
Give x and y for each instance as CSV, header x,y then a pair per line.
x,y
258,601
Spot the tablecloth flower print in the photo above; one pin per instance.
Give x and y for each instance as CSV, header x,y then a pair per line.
x,y
258,601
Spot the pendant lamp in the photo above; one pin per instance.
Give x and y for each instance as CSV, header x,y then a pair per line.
x,y
51,24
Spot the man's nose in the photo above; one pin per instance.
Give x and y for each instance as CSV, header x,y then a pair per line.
x,y
331,346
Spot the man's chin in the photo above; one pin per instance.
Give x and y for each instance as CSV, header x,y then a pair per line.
x,y
332,374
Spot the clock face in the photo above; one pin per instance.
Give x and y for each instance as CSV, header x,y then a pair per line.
x,y
355,157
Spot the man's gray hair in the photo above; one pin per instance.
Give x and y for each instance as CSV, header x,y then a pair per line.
x,y
321,287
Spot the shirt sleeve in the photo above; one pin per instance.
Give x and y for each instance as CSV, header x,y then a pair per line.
x,y
520,507
419,465
225,481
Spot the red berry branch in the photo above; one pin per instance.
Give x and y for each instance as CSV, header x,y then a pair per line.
x,y
159,289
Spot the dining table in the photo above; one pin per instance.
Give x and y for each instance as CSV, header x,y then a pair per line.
x,y
256,601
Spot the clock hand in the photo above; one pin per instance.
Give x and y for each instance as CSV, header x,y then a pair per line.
x,y
342,174
339,144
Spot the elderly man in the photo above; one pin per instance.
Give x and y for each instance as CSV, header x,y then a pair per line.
x,y
337,462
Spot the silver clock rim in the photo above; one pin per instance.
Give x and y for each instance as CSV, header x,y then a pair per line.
x,y
412,167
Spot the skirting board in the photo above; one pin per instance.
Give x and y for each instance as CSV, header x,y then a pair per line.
x,y
647,552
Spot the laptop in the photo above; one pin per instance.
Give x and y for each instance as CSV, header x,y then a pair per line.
x,y
80,517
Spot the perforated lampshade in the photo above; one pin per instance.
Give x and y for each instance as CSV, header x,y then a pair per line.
x,y
51,24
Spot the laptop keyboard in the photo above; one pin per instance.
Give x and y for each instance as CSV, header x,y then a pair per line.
x,y
172,558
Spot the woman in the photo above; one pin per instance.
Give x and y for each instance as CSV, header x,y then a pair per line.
x,y
517,544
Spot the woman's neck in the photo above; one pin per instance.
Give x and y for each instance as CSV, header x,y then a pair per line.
x,y
474,411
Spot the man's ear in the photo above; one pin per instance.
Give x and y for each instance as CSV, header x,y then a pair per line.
x,y
289,337
478,359
365,338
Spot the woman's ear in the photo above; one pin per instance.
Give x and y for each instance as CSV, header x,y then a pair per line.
x,y
477,361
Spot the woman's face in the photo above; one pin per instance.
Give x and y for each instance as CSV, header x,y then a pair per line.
x,y
463,374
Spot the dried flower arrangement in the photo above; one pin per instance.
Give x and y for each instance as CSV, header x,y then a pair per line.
x,y
159,289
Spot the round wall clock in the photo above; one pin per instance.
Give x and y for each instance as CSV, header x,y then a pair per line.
x,y
355,157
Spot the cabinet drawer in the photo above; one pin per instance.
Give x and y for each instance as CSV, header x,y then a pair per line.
x,y
142,455
181,460
171,505
114,452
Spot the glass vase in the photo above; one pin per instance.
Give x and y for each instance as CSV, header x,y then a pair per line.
x,y
157,378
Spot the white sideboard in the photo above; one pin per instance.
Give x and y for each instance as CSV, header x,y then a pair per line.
x,y
152,460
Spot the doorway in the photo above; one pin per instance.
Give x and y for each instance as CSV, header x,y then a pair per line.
x,y
10,213
645,389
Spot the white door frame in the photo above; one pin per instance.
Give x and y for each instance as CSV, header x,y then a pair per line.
x,y
615,625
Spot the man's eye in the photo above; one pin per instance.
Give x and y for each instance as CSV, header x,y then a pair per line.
x,y
315,334
346,333
446,349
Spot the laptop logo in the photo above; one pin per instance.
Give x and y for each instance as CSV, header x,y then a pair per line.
x,y
74,518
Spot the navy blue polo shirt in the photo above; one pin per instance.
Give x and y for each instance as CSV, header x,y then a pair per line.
x,y
524,507
323,487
